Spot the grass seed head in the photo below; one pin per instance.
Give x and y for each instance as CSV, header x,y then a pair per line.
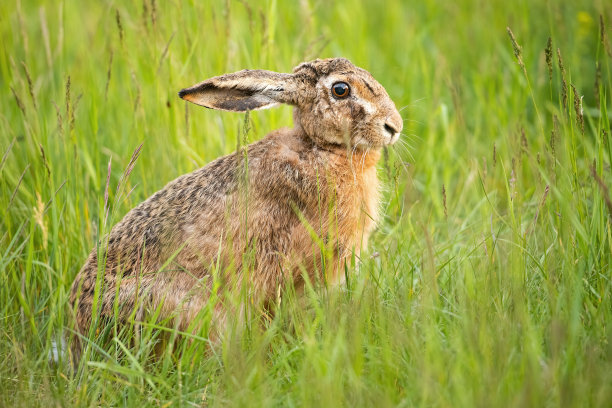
x,y
444,201
44,158
494,155
518,51
554,135
578,109
524,144
603,37
68,97
108,74
563,82
29,80
153,13
119,26
549,57
18,101
60,124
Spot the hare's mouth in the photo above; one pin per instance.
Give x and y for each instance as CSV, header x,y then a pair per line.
x,y
394,138
391,131
389,135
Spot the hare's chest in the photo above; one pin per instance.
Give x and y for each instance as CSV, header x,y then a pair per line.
x,y
370,197
358,207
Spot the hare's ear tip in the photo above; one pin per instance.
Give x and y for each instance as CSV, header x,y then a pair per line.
x,y
182,93
188,94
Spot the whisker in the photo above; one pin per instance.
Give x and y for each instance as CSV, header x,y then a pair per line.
x,y
351,161
363,158
402,163
412,103
412,120
406,148
411,135
403,107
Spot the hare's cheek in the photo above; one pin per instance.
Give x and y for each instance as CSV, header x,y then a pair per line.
x,y
358,112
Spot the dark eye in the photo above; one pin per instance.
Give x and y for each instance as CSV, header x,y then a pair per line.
x,y
340,90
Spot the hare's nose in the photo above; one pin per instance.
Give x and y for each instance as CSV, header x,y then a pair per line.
x,y
394,124
389,127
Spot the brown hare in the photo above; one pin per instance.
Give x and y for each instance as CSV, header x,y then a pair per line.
x,y
280,198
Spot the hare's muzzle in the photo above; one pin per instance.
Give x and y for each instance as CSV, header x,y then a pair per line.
x,y
393,126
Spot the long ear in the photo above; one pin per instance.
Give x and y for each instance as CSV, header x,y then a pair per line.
x,y
243,90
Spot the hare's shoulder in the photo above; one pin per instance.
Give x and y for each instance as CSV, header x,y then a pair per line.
x,y
219,177
178,203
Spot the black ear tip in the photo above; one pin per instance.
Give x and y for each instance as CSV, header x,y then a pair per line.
x,y
182,93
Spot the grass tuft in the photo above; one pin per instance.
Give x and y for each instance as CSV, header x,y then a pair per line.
x,y
487,283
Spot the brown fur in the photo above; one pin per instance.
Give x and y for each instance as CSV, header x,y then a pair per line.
x,y
319,177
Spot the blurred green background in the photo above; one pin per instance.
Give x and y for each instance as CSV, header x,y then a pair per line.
x,y
488,281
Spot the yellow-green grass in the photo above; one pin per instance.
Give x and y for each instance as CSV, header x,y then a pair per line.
x,y
487,283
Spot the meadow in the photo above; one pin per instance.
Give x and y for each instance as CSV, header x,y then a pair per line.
x,y
487,283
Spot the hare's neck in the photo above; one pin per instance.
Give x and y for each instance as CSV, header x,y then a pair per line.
x,y
357,194
356,160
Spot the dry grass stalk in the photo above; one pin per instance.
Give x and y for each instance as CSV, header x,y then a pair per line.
x,y
48,204
165,52
18,184
45,34
131,164
6,153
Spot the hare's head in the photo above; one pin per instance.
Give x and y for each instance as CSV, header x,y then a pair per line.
x,y
336,103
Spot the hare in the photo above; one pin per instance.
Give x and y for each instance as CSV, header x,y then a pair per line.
x,y
281,198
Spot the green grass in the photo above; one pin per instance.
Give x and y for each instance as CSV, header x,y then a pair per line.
x,y
492,280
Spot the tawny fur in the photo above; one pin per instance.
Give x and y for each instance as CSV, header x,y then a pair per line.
x,y
319,177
